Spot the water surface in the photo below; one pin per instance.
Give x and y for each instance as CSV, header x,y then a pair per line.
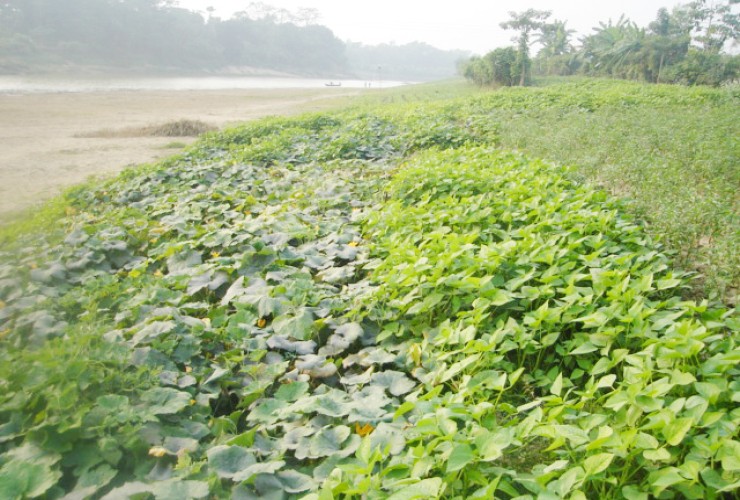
x,y
48,84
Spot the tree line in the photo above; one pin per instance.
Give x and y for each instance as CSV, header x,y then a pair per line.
x,y
686,45
158,35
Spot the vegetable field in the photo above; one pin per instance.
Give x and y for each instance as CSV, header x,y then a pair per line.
x,y
377,303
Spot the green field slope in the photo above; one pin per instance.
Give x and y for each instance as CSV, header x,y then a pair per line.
x,y
671,152
385,303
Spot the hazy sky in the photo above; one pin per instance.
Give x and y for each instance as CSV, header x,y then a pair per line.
x,y
463,24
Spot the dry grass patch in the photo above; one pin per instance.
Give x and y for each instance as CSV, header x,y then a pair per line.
x,y
179,128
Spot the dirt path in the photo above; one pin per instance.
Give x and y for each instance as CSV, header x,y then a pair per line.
x,y
41,151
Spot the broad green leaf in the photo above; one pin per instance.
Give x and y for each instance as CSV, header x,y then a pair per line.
x,y
395,382
368,406
12,428
97,477
295,482
176,489
682,378
297,326
26,480
267,412
342,338
209,280
675,431
493,379
292,391
165,400
659,455
328,441
152,331
565,483
528,406
424,489
227,461
664,478
664,319
128,490
184,263
633,493
556,465
500,297
462,455
387,438
337,275
217,374
266,306
646,441
491,445
177,445
236,290
300,347
425,305
584,348
333,404
597,463
594,320
729,454
315,366
458,367
405,407
112,402
258,468
606,381
667,283
557,386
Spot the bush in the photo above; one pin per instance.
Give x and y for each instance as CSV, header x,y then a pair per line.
x,y
498,67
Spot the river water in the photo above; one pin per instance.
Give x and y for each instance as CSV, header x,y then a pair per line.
x,y
50,84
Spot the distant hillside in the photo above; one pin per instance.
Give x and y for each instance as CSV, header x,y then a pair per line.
x,y
152,35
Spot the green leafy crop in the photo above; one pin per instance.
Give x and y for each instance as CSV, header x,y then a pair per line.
x,y
360,305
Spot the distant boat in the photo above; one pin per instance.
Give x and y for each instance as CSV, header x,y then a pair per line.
x,y
332,84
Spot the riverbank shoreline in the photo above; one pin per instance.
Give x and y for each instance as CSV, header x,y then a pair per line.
x,y
46,144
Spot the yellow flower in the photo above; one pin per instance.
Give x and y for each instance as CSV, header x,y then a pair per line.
x,y
261,322
215,255
364,430
157,451
354,244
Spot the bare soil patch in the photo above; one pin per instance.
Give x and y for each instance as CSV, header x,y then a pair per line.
x,y
52,141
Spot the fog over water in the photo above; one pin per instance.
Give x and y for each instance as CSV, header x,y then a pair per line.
x,y
41,84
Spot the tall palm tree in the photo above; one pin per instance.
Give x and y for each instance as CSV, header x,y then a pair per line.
x,y
615,48
555,38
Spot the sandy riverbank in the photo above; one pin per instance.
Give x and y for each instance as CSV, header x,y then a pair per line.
x,y
41,151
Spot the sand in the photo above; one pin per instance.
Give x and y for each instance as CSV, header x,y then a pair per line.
x,y
41,151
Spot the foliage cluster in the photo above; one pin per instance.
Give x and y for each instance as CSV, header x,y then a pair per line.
x,y
374,303
158,35
498,66
669,151
683,46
